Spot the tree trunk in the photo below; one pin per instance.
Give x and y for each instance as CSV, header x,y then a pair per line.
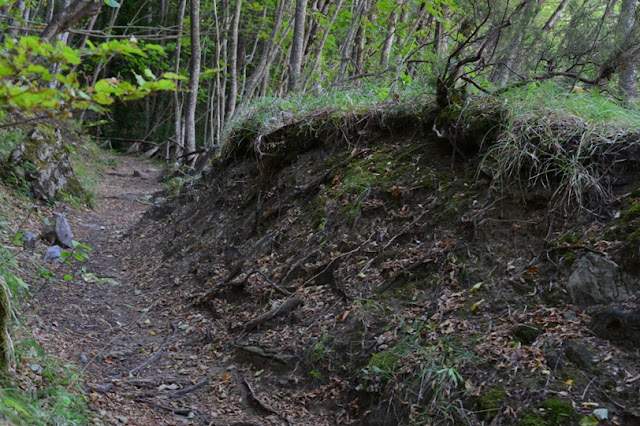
x,y
500,74
346,48
267,57
624,44
297,45
177,105
15,23
388,42
194,80
555,16
233,62
320,46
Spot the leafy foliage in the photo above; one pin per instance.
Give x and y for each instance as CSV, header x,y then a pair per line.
x,y
40,78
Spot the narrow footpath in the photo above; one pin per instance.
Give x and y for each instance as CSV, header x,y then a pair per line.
x,y
143,362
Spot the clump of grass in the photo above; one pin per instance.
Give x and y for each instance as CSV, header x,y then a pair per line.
x,y
41,390
421,375
563,142
54,394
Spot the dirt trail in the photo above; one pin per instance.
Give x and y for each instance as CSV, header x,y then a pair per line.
x,y
140,355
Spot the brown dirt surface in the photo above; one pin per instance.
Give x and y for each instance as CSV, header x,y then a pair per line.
x,y
342,278
144,362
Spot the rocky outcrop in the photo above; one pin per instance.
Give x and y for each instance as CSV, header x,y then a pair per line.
x,y
42,161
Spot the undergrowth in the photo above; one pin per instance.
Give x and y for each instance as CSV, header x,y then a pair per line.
x,y
563,142
38,390
425,378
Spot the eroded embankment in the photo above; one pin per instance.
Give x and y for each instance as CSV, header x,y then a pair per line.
x,y
346,273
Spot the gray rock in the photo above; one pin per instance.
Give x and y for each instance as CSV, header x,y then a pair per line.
x,y
29,240
578,354
53,255
596,280
554,360
58,231
134,149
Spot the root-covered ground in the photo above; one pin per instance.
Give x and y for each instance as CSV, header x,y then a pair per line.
x,y
346,276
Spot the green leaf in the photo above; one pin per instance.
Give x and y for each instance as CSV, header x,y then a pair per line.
x,y
174,76
12,403
79,244
68,277
65,254
258,373
160,85
112,3
147,73
103,98
386,5
17,239
588,421
21,283
139,79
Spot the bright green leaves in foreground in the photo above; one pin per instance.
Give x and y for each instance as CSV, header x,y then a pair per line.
x,y
40,78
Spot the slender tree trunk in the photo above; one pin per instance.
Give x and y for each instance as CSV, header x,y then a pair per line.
x,y
297,45
233,62
194,80
177,105
15,23
555,16
268,55
320,46
624,44
501,72
388,42
49,14
346,48
217,101
85,37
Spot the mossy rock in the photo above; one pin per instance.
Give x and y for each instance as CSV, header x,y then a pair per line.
x,y
526,333
41,161
558,412
385,361
6,349
530,418
490,402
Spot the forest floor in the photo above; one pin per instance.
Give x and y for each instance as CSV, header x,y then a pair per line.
x,y
345,277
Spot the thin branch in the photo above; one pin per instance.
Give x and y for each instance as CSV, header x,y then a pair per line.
x,y
189,389
156,355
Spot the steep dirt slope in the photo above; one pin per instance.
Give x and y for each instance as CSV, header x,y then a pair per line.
x,y
345,274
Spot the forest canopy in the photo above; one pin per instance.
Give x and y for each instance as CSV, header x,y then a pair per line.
x,y
224,54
